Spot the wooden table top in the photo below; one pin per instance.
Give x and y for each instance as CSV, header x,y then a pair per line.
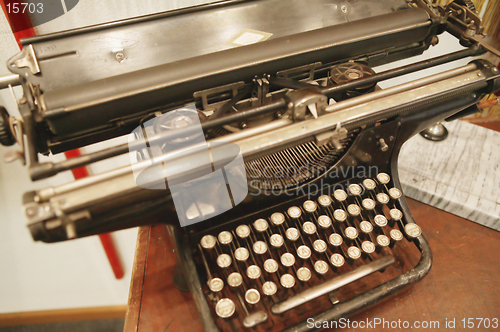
x,y
463,283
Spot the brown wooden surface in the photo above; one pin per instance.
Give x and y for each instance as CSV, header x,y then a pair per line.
x,y
464,281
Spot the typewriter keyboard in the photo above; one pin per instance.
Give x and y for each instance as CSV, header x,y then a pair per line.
x,y
290,264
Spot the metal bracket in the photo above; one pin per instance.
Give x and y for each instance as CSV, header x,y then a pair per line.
x,y
333,137
261,91
204,94
27,58
302,100
300,70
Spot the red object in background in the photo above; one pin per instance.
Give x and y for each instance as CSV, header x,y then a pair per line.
x,y
20,25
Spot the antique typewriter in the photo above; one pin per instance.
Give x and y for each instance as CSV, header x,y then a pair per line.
x,y
291,84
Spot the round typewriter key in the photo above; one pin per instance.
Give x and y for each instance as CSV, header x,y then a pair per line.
x,y
396,214
355,189
292,234
321,267
396,234
277,218
276,240
382,198
294,212
304,252
395,193
260,225
340,215
253,272
366,227
368,247
383,241
241,254
309,228
224,260
413,230
340,195
337,260
225,237
287,281
260,247
225,308
351,232
368,204
324,221
252,296
324,200
319,246
353,252
215,284
380,220
243,231
369,184
270,266
335,240
354,210
269,288
235,279
383,178
208,241
303,274
309,206
287,259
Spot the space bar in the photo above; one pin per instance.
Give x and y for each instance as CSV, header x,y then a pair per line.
x,y
331,285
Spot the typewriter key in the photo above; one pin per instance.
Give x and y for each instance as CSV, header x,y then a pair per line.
x,y
369,184
335,240
383,241
337,260
395,193
324,221
208,241
287,281
380,220
294,212
351,233
340,195
355,189
340,215
383,178
215,284
253,272
304,252
368,247
260,225
269,288
243,231
292,234
277,218
287,259
382,198
354,210
319,246
241,254
260,247
252,296
225,237
225,308
321,267
368,204
366,227
396,214
396,234
353,252
270,265
224,260
309,206
309,228
304,274
235,280
413,230
324,200
276,240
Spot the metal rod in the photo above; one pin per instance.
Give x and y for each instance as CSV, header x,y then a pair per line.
x,y
331,285
7,80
